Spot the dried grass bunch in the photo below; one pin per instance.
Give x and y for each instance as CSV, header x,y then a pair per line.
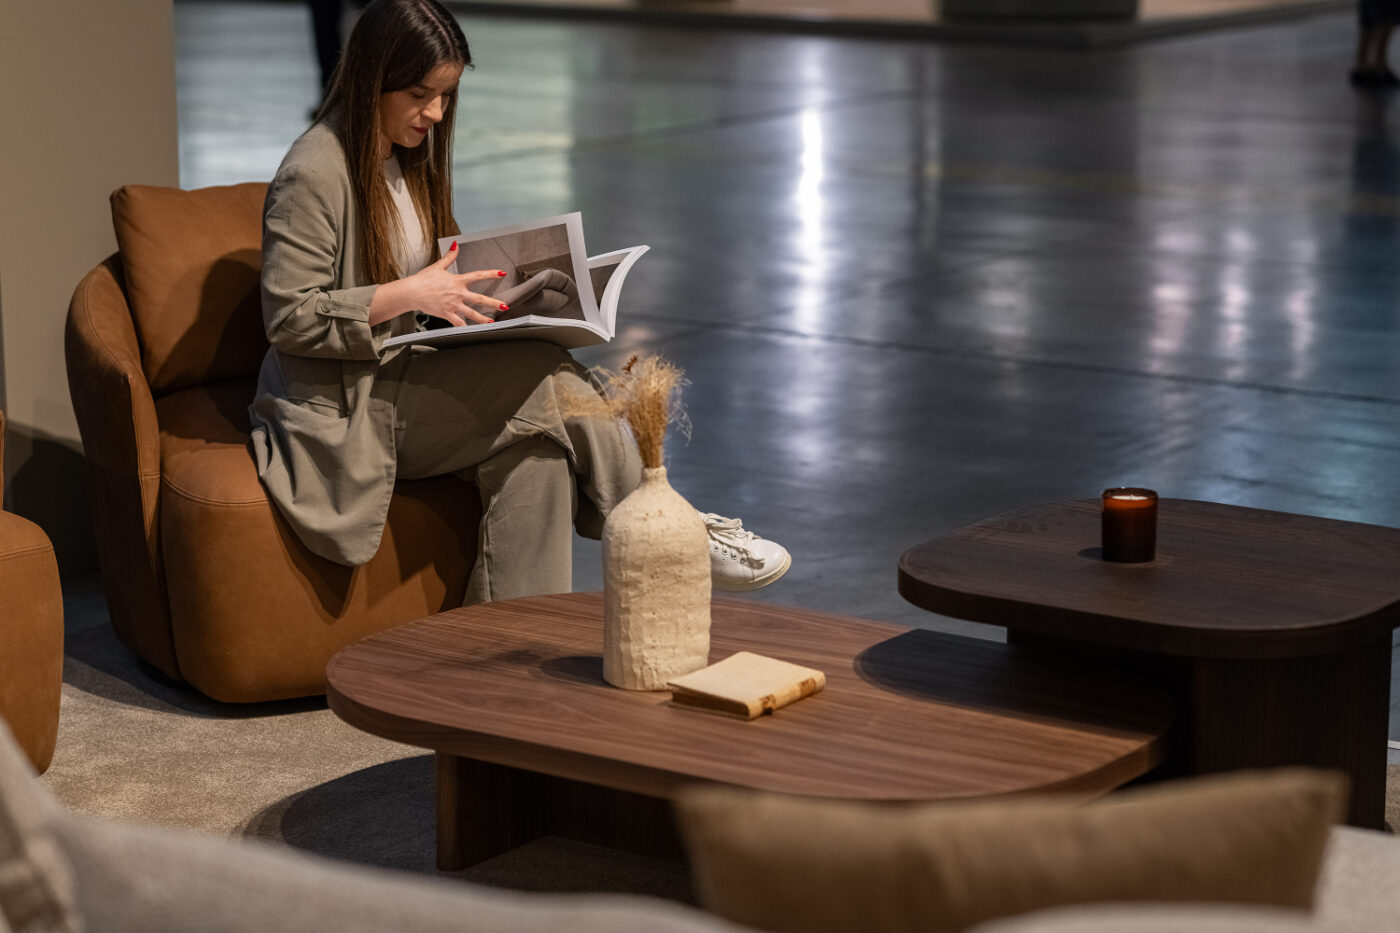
x,y
646,396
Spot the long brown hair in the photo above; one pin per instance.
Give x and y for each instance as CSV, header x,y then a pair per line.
x,y
394,45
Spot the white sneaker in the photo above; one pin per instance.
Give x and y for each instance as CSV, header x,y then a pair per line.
x,y
739,559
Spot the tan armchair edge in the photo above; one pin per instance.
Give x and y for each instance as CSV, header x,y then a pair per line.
x,y
121,444
115,411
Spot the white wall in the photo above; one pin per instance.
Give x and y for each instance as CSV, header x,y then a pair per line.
x,y
87,104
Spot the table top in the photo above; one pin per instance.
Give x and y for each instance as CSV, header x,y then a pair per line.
x,y
906,714
1228,581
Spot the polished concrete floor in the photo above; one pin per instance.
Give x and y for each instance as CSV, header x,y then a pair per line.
x,y
914,285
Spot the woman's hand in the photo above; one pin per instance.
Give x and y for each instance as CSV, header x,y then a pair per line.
x,y
437,292
446,294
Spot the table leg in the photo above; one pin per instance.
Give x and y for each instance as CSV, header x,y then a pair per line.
x,y
485,809
1326,711
1329,711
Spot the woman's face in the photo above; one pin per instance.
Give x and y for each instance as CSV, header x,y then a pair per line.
x,y
406,116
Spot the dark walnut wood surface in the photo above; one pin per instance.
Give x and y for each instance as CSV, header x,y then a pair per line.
x,y
906,714
1228,581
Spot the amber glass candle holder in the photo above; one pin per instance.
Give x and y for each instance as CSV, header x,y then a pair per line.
x,y
1129,525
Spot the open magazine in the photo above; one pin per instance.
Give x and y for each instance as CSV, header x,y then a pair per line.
x,y
555,290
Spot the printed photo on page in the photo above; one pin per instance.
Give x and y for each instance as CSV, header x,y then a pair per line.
x,y
546,267
554,291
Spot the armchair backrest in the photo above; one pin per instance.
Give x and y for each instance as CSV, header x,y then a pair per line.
x,y
191,261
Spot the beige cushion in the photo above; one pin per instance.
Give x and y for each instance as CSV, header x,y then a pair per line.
x,y
1157,918
140,879
1360,884
36,882
192,261
785,863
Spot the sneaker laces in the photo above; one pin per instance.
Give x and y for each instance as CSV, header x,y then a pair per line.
x,y
729,532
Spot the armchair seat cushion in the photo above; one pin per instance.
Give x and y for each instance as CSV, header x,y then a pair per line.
x,y
204,454
255,616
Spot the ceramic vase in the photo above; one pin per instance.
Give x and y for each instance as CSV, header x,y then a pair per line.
x,y
656,587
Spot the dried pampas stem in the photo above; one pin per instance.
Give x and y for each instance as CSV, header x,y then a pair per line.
x,y
645,396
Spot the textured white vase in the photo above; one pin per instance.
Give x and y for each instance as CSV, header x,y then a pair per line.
x,y
656,587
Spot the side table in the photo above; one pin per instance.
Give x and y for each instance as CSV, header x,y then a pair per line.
x,y
1271,630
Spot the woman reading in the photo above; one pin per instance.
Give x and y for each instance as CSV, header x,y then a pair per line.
x,y
348,227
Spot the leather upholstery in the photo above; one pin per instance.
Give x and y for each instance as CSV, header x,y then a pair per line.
x,y
222,539
31,634
121,445
204,579
192,261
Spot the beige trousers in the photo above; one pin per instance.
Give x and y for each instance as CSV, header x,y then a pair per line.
x,y
500,416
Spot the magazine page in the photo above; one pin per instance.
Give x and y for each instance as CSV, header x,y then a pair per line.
x,y
548,285
608,272
548,303
525,250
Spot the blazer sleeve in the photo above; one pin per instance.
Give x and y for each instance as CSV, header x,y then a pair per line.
x,y
303,314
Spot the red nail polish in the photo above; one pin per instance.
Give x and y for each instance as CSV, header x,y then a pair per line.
x,y
500,275
452,247
505,307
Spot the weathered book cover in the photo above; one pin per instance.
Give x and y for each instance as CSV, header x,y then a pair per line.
x,y
747,685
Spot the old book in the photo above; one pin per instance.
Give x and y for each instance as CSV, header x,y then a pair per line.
x,y
747,685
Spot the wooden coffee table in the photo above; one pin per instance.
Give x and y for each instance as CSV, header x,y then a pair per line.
x,y
1272,630
530,740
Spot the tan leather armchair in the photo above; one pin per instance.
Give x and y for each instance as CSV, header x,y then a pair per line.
x,y
203,578
31,632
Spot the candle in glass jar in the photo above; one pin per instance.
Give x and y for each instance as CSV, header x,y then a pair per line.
x,y
1129,525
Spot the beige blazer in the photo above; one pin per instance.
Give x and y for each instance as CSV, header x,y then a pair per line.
x,y
323,425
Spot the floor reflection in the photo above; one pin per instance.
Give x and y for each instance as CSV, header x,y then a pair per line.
x,y
914,285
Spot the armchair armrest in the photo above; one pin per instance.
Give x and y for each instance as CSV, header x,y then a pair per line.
x,y
116,412
121,444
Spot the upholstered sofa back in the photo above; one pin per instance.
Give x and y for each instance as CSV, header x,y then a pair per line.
x,y
192,261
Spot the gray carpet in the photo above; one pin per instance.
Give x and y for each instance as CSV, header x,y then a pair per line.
x,y
132,747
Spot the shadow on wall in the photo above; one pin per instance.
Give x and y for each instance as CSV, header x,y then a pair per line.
x,y
46,482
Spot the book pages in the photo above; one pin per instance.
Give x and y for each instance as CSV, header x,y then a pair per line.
x,y
746,684
578,309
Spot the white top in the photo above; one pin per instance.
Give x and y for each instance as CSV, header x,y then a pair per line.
x,y
410,250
